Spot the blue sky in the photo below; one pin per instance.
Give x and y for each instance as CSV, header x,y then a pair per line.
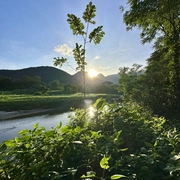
x,y
33,32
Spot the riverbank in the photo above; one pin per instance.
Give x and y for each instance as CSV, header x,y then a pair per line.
x,y
13,102
19,106
4,115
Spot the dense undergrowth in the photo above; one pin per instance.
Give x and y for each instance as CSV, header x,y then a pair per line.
x,y
115,141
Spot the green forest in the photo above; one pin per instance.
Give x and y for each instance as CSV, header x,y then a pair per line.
x,y
135,139
53,82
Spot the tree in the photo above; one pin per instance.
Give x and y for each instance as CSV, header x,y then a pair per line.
x,y
78,28
159,21
70,89
56,85
128,82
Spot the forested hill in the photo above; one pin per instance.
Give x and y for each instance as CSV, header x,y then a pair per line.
x,y
48,74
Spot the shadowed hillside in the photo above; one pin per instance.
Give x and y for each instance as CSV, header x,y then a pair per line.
x,y
48,74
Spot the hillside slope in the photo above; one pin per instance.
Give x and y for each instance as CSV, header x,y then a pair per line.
x,y
48,74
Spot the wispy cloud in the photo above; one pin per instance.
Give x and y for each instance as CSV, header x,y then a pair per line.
x,y
104,68
64,49
96,58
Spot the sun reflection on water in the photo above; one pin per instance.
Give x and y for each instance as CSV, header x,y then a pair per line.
x,y
89,107
91,111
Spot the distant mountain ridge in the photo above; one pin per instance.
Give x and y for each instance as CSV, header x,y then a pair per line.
x,y
48,73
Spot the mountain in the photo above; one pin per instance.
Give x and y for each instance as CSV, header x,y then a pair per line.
x,y
48,74
114,78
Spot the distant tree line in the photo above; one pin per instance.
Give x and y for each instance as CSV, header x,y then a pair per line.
x,y
34,85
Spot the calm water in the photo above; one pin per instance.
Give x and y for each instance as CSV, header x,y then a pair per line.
x,y
10,128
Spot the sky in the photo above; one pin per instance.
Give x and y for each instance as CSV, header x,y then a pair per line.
x,y
33,32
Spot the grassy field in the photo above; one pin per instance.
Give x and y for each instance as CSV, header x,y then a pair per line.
x,y
11,102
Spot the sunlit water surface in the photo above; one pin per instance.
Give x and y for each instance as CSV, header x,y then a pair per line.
x,y
10,128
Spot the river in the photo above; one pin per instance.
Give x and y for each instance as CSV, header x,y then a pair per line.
x,y
10,128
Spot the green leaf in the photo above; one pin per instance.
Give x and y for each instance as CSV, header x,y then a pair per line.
x,y
148,144
125,149
156,143
60,124
22,139
50,133
99,104
16,139
96,35
79,56
59,61
9,143
23,132
117,135
104,163
36,126
88,176
76,25
65,129
117,176
89,13
27,146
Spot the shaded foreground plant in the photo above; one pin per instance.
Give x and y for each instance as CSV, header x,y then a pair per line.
x,y
119,141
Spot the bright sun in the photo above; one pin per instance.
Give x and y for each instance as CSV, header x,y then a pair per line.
x,y
92,73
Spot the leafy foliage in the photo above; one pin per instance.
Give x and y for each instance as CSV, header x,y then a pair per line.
x,y
96,35
119,141
59,61
159,23
78,28
79,56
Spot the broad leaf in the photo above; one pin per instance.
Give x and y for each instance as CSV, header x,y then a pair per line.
x,y
99,104
23,132
104,163
9,143
117,176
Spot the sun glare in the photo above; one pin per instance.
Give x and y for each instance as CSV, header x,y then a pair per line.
x,y
92,73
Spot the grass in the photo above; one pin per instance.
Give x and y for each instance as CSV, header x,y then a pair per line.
x,y
11,102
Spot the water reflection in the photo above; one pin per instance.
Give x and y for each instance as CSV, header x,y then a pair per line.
x,y
88,102
91,111
10,128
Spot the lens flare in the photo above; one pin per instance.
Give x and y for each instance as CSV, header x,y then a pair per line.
x,y
92,73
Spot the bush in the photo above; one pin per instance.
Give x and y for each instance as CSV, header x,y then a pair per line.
x,y
115,141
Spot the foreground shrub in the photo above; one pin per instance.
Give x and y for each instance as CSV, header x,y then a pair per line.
x,y
110,142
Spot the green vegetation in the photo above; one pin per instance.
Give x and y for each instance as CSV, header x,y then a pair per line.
x,y
119,141
137,139
11,102
159,87
78,28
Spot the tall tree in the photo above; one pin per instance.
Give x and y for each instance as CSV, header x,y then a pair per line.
x,y
78,28
159,21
